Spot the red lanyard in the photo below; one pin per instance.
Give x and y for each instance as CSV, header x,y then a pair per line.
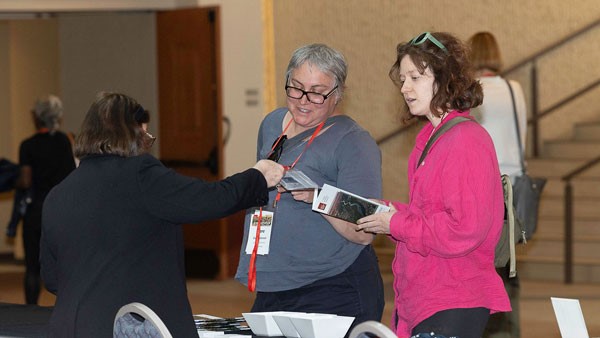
x,y
252,265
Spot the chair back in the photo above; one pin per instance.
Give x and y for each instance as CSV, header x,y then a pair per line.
x,y
371,329
127,325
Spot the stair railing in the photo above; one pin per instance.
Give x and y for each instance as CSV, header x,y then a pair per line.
x,y
532,60
569,215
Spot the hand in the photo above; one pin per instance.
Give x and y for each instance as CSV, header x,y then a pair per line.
x,y
305,196
272,171
377,223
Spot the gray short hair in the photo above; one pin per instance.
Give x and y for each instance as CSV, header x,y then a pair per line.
x,y
48,112
325,58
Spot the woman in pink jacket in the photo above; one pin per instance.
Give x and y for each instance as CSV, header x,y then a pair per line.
x,y
444,277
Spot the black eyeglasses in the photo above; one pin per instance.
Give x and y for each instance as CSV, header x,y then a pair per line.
x,y
277,148
312,97
427,36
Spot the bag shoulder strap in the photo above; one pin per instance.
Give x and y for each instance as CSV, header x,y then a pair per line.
x,y
518,129
444,128
510,222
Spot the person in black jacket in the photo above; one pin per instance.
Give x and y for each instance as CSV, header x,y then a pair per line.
x,y
45,159
111,231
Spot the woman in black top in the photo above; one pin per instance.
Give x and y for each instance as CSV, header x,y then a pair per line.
x,y
46,158
111,231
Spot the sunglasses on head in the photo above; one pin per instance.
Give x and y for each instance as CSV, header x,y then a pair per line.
x,y
427,36
277,148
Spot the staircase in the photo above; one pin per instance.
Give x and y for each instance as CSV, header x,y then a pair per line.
x,y
543,257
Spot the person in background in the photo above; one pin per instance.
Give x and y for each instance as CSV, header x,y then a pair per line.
x,y
111,230
445,282
312,262
45,158
497,116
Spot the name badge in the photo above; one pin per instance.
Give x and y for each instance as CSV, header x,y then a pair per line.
x,y
265,233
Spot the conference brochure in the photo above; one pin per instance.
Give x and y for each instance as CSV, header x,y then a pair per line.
x,y
345,205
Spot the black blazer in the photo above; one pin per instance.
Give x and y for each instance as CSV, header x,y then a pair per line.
x,y
111,235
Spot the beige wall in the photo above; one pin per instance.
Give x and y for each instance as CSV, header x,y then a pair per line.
x,y
5,137
29,68
33,60
107,52
367,32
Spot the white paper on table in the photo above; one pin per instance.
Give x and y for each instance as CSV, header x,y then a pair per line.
x,y
569,317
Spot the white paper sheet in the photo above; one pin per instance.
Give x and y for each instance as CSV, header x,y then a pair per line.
x,y
570,318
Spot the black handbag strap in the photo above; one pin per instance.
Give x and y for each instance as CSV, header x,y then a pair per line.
x,y
444,128
514,105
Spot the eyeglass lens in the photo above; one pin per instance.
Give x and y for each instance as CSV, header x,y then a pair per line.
x,y
419,39
312,97
427,36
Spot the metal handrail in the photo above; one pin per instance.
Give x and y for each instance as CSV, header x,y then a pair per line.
x,y
552,47
567,99
569,215
534,121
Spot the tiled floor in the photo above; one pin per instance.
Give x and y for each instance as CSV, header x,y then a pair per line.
x,y
228,298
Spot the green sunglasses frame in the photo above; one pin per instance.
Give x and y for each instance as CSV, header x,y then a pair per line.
x,y
421,38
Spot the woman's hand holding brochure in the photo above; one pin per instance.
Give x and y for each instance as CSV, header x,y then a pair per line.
x,y
377,223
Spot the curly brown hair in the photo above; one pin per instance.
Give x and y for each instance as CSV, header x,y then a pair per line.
x,y
455,85
113,125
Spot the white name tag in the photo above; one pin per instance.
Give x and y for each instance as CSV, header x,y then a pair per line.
x,y
265,233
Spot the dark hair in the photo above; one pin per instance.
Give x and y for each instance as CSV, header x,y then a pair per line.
x,y
113,125
485,52
454,83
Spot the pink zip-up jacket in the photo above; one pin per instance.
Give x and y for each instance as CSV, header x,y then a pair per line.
x,y
446,235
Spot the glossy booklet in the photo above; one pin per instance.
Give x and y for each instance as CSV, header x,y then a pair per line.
x,y
345,205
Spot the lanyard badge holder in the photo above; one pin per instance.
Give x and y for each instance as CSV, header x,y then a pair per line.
x,y
274,155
